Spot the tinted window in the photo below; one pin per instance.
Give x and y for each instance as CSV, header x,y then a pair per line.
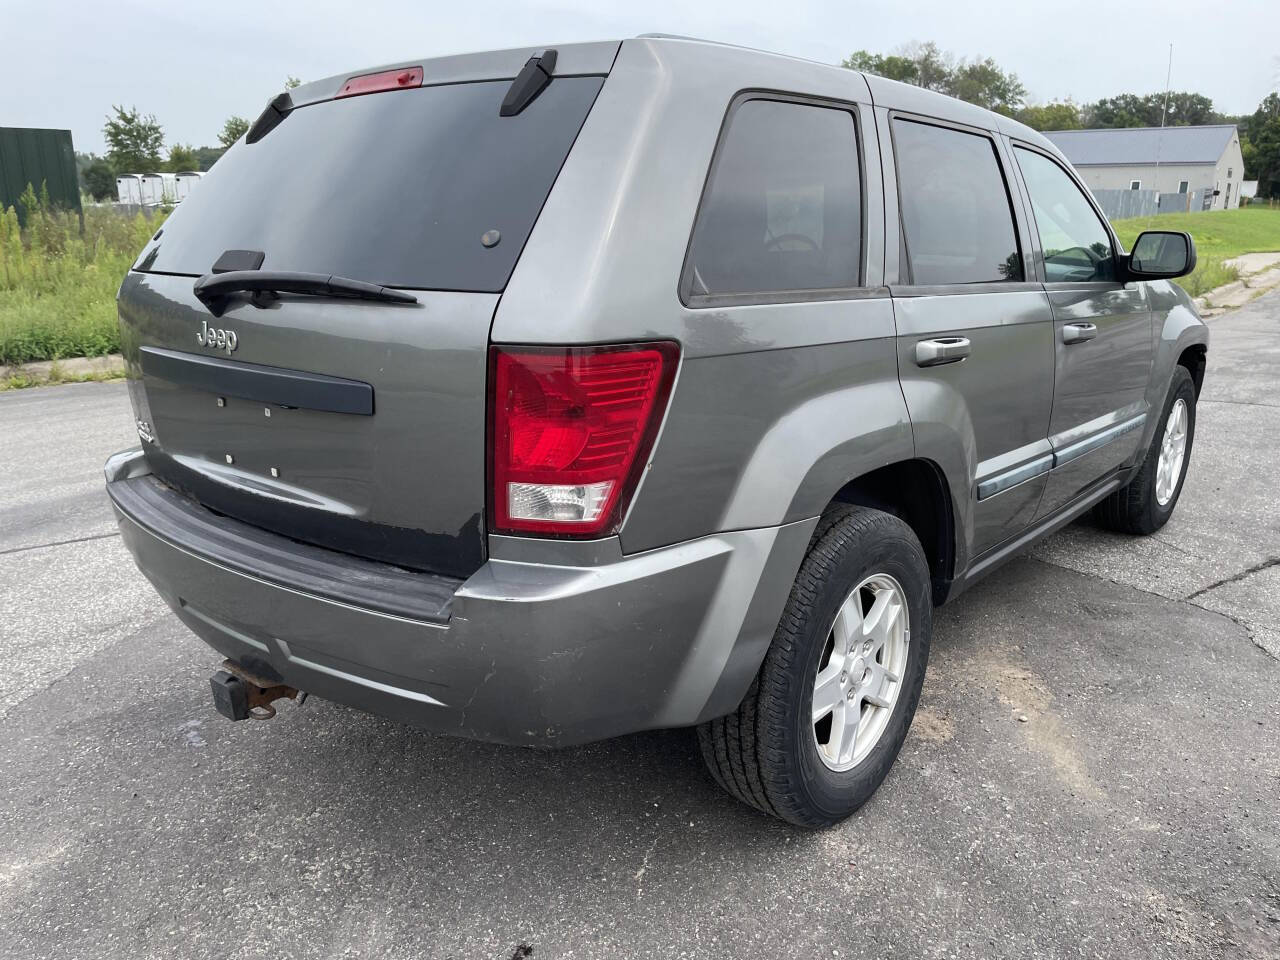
x,y
783,208
395,188
955,208
1076,245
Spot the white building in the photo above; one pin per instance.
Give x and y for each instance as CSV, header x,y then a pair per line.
x,y
1170,160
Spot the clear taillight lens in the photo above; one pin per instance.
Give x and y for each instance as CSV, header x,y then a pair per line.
x,y
570,431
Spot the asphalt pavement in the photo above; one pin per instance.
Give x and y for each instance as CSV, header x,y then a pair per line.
x,y
1094,770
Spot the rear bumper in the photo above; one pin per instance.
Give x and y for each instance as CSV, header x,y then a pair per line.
x,y
533,651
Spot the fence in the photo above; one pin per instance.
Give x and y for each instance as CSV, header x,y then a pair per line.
x,y
1118,204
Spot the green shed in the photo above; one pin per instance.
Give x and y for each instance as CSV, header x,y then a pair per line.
x,y
35,156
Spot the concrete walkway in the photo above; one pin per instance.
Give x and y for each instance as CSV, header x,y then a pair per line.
x,y
1259,272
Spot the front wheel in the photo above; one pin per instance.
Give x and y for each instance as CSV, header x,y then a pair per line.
x,y
828,712
1146,502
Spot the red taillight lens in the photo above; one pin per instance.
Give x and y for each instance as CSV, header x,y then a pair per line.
x,y
570,431
377,82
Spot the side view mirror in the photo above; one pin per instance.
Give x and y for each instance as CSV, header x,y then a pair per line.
x,y
1161,255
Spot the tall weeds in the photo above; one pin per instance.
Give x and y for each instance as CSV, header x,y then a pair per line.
x,y
58,285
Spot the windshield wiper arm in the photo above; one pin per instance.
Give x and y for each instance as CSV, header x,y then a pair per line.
x,y
213,288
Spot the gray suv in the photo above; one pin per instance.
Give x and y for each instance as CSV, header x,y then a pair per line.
x,y
543,396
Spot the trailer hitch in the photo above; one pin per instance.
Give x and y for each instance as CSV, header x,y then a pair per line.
x,y
241,694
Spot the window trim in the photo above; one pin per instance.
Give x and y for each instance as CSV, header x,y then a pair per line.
x,y
1117,251
902,287
1135,184
696,301
1184,187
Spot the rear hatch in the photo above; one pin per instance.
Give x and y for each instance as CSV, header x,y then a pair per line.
x,y
352,424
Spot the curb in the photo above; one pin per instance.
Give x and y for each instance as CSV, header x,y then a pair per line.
x,y
1238,292
70,370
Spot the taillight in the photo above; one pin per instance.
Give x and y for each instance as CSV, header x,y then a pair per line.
x,y
377,82
570,430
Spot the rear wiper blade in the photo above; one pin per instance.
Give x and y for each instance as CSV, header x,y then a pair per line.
x,y
213,288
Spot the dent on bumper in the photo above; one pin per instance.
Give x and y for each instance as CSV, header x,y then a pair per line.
x,y
534,653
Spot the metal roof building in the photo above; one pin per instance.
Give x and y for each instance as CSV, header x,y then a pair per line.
x,y
1169,160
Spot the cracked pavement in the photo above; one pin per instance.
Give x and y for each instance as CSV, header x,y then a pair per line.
x,y
1222,548
1094,770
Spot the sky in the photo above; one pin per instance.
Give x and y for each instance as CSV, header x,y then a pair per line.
x,y
193,65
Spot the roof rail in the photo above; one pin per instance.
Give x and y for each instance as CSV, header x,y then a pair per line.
x,y
677,36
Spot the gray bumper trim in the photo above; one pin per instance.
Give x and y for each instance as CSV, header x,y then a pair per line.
x,y
267,556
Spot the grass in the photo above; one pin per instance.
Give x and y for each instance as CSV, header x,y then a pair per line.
x,y
58,286
1219,235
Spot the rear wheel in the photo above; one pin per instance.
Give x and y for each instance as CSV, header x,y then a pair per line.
x,y
1146,502
828,712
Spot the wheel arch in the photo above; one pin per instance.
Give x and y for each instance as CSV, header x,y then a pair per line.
x,y
916,491
1194,358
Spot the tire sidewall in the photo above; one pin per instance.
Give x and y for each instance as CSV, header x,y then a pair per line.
x,y
897,553
1181,388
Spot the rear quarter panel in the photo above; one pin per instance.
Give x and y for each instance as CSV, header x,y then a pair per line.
x,y
776,406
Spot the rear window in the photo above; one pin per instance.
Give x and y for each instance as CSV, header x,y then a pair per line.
x,y
395,188
782,210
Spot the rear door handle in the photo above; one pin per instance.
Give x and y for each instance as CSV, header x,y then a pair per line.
x,y
1078,332
930,353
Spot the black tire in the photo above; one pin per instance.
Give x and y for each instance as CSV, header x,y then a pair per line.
x,y
1134,508
765,753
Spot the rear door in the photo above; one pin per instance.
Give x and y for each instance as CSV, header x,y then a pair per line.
x,y
1101,336
354,425
975,354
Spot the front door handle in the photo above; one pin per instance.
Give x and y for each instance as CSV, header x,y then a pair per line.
x,y
930,353
1078,332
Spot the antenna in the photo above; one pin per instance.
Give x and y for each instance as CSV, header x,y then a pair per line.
x,y
1164,111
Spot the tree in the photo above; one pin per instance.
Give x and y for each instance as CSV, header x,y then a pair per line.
x,y
100,179
935,67
979,81
182,157
1264,136
1124,110
1188,109
134,141
233,130
1132,110
206,157
1249,153
902,69
1059,115
984,83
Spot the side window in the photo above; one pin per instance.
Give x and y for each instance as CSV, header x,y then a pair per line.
x,y
783,209
1076,244
956,216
